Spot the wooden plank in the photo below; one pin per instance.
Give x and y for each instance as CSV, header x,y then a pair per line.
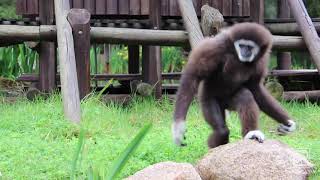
x,y
283,58
47,50
191,22
21,7
133,62
246,7
68,71
237,8
307,29
123,7
79,20
144,7
165,7
90,6
217,4
78,4
112,7
101,6
257,11
151,55
134,7
32,7
227,8
174,9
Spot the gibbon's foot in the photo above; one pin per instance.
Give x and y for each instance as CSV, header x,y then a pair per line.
x,y
255,135
178,132
285,129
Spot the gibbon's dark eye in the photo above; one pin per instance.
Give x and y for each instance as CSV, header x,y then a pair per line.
x,y
245,50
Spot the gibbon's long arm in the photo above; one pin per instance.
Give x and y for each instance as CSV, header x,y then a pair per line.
x,y
269,105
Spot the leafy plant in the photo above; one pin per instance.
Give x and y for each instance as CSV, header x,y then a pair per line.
x,y
117,165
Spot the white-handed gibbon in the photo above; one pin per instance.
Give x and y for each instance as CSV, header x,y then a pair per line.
x,y
228,71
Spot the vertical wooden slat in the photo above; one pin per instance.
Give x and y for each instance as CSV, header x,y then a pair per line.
x,y
165,7
227,7
152,54
236,7
78,3
32,7
257,11
144,7
101,7
133,62
47,50
112,7
90,6
174,9
21,7
283,58
245,7
134,7
217,4
123,7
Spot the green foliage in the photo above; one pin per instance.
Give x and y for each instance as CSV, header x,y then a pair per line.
x,y
37,142
172,59
313,7
8,9
18,59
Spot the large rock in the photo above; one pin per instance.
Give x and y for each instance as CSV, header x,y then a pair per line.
x,y
249,159
167,171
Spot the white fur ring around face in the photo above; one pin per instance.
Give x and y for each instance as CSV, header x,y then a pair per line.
x,y
287,129
178,131
255,135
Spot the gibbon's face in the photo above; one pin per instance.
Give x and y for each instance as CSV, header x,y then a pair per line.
x,y
246,50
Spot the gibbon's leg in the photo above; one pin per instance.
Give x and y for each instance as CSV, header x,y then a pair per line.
x,y
214,114
244,103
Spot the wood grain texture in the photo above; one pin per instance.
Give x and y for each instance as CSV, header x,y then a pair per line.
x,y
134,8
191,22
89,5
68,71
123,7
112,7
307,29
101,7
79,20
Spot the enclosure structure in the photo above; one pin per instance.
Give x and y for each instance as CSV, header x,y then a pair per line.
x,y
150,24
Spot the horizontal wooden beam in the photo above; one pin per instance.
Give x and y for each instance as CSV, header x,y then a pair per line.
x,y
287,29
176,75
13,33
302,95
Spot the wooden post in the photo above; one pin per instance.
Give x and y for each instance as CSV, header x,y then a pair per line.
x,y
307,29
133,66
68,70
283,58
79,20
151,55
257,11
191,22
47,50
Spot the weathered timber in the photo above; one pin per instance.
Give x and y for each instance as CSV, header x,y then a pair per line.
x,y
287,28
291,73
283,58
130,36
307,29
302,95
79,20
47,50
133,59
151,55
257,11
68,71
191,22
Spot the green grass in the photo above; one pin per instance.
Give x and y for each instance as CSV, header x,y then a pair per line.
x,y
37,143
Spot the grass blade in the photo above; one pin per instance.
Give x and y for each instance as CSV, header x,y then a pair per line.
x,y
124,156
77,154
105,87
